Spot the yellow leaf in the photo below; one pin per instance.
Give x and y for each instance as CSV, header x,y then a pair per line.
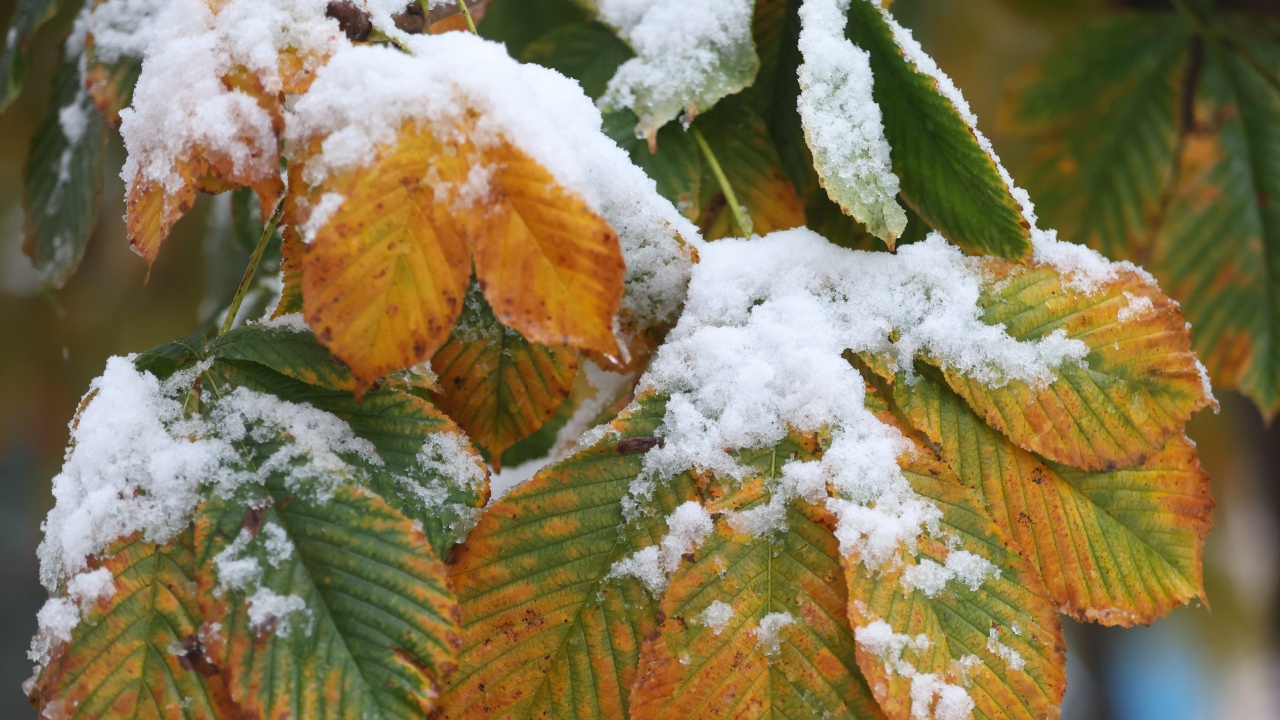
x,y
549,266
385,276
1136,388
498,386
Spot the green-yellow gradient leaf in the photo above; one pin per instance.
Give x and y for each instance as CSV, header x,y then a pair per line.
x,y
350,615
137,653
998,641
498,386
1221,255
1103,111
1116,548
428,472
946,176
1134,390
62,182
741,144
703,666
547,632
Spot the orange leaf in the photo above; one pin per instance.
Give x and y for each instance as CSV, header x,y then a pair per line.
x,y
549,266
385,276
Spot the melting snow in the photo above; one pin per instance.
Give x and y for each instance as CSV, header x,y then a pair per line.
x,y
716,616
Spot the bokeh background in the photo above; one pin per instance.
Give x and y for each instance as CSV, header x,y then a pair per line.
x,y
1200,663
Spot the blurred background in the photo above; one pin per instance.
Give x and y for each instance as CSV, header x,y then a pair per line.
x,y
1201,662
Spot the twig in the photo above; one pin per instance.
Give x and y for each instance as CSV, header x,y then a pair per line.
x,y
252,270
743,221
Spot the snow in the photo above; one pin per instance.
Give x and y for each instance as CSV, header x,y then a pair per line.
x,y
842,122
689,53
1137,306
716,616
321,211
952,702
235,570
181,105
270,611
931,578
290,322
1012,658
768,633
687,526
759,350
120,29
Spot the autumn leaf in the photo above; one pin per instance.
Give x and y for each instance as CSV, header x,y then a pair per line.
x,y
1117,548
548,632
724,647
138,651
990,636
385,275
498,386
1136,388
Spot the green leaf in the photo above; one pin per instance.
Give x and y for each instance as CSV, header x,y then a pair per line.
x,y
694,668
345,615
1221,256
547,632
740,142
947,177
15,60
288,351
62,180
1134,390
137,653
675,165
585,51
517,23
1116,548
1103,111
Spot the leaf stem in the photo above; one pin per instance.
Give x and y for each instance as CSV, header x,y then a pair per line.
x,y
742,220
252,270
466,15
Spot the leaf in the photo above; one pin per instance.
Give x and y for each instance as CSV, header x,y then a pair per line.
x,y
998,641
137,653
547,632
665,78
374,630
740,142
676,166
517,23
289,352
15,61
110,84
1136,388
428,472
1116,548
1103,110
498,386
384,278
550,267
692,668
947,177
1221,254
62,181
586,51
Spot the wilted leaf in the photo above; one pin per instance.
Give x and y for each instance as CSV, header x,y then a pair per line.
x,y
547,632
110,81
993,637
731,659
62,181
947,177
741,144
1136,388
138,653
498,386
353,619
1117,548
